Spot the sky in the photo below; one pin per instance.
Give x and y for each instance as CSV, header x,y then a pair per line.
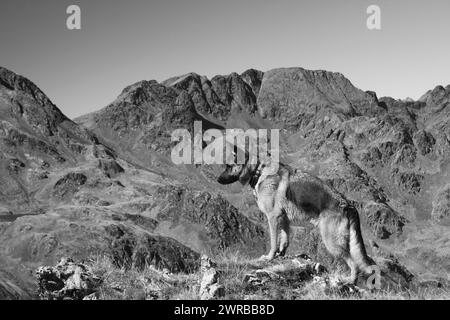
x,y
122,42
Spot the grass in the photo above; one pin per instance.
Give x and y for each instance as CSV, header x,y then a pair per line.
x,y
233,266
133,284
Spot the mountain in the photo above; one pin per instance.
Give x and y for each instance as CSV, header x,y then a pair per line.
x,y
390,156
105,182
64,190
35,135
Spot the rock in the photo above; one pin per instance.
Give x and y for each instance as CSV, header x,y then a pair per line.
x,y
388,155
140,250
295,97
15,165
5,212
292,271
209,283
148,224
12,288
254,79
393,273
66,281
405,156
383,220
221,96
300,274
154,111
410,182
437,99
332,285
110,168
87,199
371,157
92,296
424,142
68,185
441,205
223,222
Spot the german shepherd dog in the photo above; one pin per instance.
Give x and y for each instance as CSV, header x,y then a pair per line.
x,y
283,195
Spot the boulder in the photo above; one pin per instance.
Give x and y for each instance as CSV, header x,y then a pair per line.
x,y
209,283
292,271
441,205
68,185
383,220
66,281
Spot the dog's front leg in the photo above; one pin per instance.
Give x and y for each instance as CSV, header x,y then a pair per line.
x,y
273,219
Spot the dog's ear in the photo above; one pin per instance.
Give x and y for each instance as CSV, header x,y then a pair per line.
x,y
245,175
248,172
239,155
242,156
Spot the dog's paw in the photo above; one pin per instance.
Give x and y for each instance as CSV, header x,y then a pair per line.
x,y
280,253
266,258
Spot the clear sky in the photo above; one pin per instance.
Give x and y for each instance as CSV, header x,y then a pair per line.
x,y
122,42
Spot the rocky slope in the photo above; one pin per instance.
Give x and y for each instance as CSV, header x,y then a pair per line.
x,y
66,191
106,183
389,156
35,138
230,277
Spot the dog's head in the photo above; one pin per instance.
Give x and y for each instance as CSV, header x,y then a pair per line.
x,y
237,172
231,173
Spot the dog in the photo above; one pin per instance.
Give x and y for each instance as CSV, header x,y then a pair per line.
x,y
284,194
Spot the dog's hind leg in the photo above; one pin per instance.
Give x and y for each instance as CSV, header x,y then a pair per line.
x,y
353,269
284,235
341,234
334,229
335,234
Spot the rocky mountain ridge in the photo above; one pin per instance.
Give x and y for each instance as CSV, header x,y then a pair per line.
x,y
105,181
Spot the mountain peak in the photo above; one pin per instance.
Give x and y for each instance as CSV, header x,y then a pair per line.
x,y
138,92
24,100
291,95
439,97
14,82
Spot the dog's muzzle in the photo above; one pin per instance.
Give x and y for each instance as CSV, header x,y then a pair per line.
x,y
227,179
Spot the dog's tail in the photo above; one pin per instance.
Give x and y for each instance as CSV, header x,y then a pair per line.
x,y
357,249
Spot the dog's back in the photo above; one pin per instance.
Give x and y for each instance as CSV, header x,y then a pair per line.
x,y
310,195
